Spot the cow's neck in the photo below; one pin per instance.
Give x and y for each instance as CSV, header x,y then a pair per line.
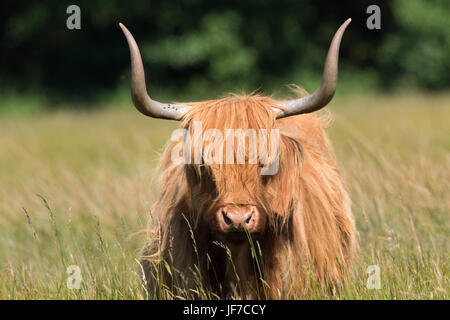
x,y
240,266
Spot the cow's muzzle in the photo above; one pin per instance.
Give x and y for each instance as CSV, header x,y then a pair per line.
x,y
238,218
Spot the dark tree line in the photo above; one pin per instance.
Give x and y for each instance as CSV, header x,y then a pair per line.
x,y
193,47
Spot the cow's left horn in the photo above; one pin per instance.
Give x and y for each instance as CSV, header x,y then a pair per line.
x,y
325,92
141,99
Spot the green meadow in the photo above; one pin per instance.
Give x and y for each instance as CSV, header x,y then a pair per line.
x,y
76,188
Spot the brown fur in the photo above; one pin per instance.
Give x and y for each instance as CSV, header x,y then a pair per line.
x,y
308,236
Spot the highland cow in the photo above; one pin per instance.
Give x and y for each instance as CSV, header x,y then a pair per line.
x,y
228,229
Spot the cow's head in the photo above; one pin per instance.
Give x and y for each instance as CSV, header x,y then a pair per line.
x,y
236,196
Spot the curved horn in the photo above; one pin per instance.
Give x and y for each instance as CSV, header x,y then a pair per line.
x,y
325,92
141,99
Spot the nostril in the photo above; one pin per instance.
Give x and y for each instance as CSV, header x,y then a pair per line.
x,y
248,219
226,219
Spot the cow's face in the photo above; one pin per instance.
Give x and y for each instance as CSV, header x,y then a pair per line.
x,y
231,203
227,173
237,199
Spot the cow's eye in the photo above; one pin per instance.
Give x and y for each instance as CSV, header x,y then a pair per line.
x,y
265,179
192,174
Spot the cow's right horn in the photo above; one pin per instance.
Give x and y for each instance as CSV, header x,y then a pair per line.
x,y
325,92
139,94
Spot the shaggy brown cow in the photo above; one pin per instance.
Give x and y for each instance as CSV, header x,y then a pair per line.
x,y
229,229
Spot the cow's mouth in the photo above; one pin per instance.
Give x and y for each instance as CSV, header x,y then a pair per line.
x,y
237,236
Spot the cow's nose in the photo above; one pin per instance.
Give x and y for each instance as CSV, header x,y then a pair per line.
x,y
234,218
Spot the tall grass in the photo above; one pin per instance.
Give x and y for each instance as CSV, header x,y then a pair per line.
x,y
76,188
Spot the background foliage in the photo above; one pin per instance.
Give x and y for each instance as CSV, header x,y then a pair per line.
x,y
194,49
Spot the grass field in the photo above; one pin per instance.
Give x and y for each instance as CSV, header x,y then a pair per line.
x,y
86,182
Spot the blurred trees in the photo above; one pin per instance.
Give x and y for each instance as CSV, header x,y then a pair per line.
x,y
192,48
